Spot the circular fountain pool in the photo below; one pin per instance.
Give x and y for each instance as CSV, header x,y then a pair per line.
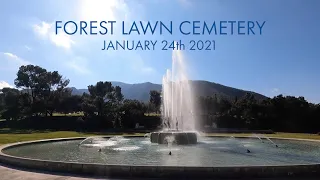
x,y
209,152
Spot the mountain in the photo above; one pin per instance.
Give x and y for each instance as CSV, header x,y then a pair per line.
x,y
141,91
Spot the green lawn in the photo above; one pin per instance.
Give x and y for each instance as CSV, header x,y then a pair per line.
x,y
278,134
152,114
71,114
11,136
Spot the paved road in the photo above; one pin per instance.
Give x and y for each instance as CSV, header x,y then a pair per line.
x,y
11,173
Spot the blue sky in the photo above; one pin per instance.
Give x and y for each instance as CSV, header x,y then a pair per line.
x,y
285,59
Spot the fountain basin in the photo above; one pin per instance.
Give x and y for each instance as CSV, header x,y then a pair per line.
x,y
179,137
211,157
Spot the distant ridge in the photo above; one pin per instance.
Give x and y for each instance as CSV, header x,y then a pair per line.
x,y
140,91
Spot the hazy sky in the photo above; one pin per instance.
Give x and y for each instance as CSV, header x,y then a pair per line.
x,y
285,59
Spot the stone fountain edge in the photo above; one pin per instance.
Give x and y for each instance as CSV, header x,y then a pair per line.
x,y
112,170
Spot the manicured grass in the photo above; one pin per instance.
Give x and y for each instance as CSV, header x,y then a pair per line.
x,y
12,136
278,134
152,114
69,114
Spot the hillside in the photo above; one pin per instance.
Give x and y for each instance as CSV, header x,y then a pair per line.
x,y
141,91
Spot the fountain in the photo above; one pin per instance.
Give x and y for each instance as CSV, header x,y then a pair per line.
x,y
259,136
177,105
164,157
91,140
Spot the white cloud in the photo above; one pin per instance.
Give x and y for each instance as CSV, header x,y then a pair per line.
x,y
62,40
275,90
79,65
147,69
28,48
83,10
88,10
139,65
42,29
14,59
102,10
186,3
4,84
46,30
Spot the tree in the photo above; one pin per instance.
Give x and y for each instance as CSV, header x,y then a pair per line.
x,y
32,78
88,105
70,104
116,106
12,107
100,94
132,111
105,100
2,103
155,99
44,87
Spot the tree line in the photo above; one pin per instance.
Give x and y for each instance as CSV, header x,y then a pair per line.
x,y
280,113
42,93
